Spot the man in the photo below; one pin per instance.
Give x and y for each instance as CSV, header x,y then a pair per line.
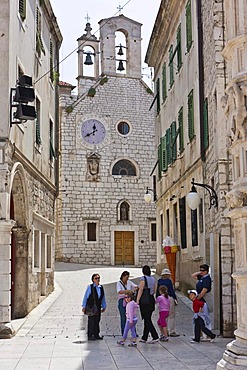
x,y
94,295
204,285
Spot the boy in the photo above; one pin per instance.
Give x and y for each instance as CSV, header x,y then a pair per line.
x,y
199,318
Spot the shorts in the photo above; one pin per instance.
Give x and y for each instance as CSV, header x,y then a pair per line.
x,y
162,318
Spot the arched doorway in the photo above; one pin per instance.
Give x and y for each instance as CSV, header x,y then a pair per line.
x,y
19,243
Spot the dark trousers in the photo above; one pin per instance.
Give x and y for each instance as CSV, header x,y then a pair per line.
x,y
200,326
93,325
122,311
148,326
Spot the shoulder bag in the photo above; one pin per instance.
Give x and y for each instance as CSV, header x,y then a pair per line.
x,y
145,299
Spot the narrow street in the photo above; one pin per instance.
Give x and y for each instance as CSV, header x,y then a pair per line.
x,y
53,336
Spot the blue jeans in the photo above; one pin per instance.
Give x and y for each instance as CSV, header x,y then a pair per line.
x,y
122,311
132,329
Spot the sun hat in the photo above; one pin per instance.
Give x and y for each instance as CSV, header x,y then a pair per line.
x,y
193,291
166,272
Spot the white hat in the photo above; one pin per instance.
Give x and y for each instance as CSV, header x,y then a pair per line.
x,y
166,272
193,291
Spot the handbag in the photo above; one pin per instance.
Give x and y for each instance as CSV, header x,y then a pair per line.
x,y
145,299
92,310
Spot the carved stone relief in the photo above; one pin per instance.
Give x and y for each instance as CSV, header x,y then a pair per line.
x,y
234,199
93,162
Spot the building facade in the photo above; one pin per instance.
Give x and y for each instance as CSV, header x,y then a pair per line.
x,y
30,41
192,142
107,141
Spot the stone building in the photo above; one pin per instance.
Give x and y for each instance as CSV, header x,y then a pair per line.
x,y
192,142
107,141
30,41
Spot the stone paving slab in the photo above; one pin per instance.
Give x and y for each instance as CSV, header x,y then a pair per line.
x,y
53,336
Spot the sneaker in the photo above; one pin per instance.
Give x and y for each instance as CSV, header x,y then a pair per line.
x,y
174,334
204,339
132,344
164,339
142,341
194,341
153,341
212,340
121,342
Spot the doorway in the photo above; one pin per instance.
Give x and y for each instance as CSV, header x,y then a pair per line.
x,y
124,247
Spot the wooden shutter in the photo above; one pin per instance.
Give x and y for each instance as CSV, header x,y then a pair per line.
x,y
52,151
182,214
179,48
194,228
191,130
22,9
168,146
164,154
158,94
173,141
205,124
164,85
51,61
181,129
160,159
171,66
37,123
188,26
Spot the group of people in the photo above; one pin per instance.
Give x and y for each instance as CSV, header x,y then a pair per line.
x,y
149,292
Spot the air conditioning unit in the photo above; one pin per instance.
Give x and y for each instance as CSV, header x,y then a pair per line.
x,y
25,112
24,94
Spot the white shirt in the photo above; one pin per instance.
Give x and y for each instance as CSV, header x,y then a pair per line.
x,y
128,286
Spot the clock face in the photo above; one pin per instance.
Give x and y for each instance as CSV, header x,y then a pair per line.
x,y
93,131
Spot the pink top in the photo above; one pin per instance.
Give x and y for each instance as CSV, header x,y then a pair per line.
x,y
164,303
131,308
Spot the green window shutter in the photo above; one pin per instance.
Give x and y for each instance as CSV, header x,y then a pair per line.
x,y
159,160
164,86
171,66
179,48
181,130
173,141
22,9
37,123
51,62
191,130
188,26
205,124
52,151
158,94
168,145
39,43
164,154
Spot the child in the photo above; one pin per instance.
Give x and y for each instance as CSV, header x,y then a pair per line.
x,y
200,319
164,309
131,320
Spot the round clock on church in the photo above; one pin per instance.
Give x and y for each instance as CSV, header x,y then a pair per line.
x,y
93,131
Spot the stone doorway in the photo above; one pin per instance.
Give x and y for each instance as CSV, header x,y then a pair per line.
x,y
19,247
124,247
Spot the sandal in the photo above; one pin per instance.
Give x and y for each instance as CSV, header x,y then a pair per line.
x,y
121,342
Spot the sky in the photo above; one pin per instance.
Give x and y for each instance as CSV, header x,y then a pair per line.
x,y
71,17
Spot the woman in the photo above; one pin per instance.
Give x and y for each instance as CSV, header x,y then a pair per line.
x,y
94,294
124,285
147,310
166,280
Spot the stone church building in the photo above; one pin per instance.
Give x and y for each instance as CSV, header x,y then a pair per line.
x,y
108,152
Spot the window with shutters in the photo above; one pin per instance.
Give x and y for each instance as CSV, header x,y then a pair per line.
x,y
171,67
205,125
164,154
168,145
158,94
159,160
179,48
194,228
39,43
181,129
37,123
164,85
52,151
191,129
182,216
22,9
188,26
173,141
51,62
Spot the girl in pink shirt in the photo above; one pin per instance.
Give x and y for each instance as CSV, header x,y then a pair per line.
x,y
131,320
164,309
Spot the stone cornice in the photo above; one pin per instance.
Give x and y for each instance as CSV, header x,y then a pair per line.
x,y
231,44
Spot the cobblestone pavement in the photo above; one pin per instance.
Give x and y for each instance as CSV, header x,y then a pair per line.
x,y
53,335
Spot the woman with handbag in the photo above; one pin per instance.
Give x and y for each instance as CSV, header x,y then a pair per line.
x,y
92,305
124,285
145,298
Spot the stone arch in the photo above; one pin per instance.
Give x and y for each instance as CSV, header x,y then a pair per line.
x,y
124,210
19,212
131,168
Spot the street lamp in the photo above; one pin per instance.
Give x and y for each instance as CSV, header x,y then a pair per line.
x,y
193,199
148,196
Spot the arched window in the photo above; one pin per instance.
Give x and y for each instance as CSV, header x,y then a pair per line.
x,y
124,211
124,168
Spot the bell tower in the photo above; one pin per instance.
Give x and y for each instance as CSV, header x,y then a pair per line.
x,y
111,61
88,54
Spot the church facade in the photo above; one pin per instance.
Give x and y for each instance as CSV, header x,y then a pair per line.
x,y
108,151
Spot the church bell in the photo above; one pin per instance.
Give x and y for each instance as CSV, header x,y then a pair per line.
x,y
120,51
88,61
120,66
